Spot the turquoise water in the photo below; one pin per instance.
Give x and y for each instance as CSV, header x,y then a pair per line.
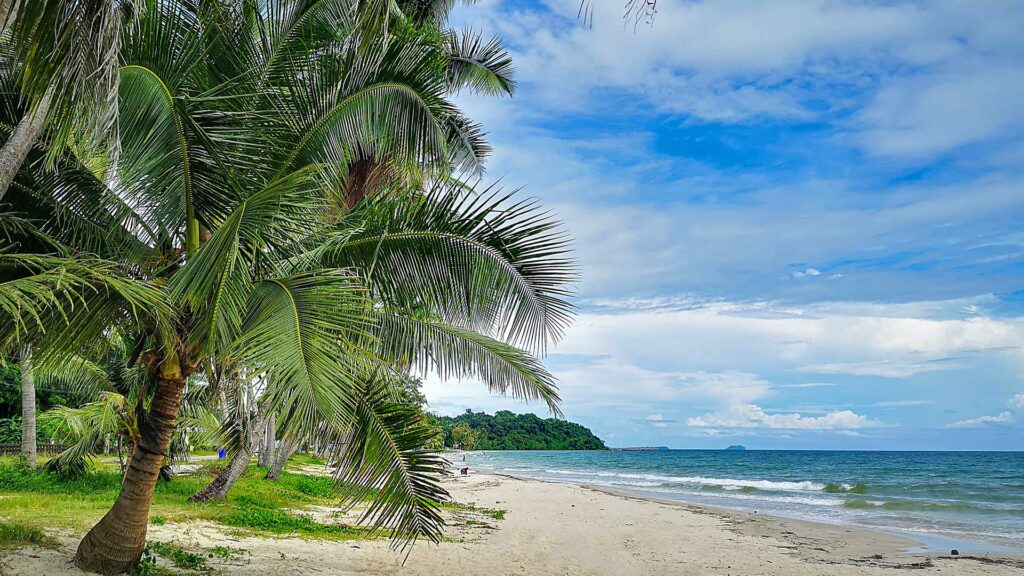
x,y
975,499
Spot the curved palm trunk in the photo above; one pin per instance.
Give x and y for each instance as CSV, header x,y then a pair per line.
x,y
28,409
17,147
115,544
287,449
222,484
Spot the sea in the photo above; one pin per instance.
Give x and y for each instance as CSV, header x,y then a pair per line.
x,y
973,501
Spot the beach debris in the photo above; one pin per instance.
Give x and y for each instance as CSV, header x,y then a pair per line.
x,y
954,552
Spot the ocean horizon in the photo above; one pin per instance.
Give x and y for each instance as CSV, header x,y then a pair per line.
x,y
972,500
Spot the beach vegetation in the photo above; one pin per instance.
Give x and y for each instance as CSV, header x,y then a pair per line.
x,y
258,210
180,557
39,498
495,513
14,534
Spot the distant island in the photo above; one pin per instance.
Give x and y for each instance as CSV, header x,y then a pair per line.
x,y
508,431
736,447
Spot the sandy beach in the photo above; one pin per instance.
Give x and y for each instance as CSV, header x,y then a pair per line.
x,y
562,529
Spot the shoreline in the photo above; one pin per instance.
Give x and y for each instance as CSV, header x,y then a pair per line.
x,y
559,529
919,541
886,542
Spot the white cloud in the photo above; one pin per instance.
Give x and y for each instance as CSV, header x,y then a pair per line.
x,y
659,421
982,421
808,272
1017,403
931,114
727,365
746,61
704,344
882,368
753,416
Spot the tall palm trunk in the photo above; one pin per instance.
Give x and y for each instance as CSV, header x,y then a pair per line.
x,y
288,448
28,409
269,443
21,141
115,544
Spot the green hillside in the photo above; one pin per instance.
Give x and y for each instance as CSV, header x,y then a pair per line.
x,y
508,431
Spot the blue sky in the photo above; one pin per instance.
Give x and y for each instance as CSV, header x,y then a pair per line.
x,y
799,224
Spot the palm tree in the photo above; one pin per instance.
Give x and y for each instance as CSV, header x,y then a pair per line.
x,y
64,59
113,388
230,228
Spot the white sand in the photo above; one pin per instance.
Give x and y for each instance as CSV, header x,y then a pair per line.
x,y
560,529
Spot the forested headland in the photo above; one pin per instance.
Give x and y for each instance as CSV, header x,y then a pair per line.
x,y
507,431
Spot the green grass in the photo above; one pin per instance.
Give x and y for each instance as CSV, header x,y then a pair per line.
x,y
496,513
181,557
305,460
194,561
14,534
35,498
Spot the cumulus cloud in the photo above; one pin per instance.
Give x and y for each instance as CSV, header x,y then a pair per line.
x,y
753,416
982,421
1016,402
848,339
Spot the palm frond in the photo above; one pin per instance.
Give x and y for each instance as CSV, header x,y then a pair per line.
x,y
387,450
480,66
86,427
302,332
430,344
480,261
86,295
69,55
217,281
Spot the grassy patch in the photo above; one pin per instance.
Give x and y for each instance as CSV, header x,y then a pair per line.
x,y
35,497
281,522
180,557
269,516
228,552
496,513
305,460
191,560
13,535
